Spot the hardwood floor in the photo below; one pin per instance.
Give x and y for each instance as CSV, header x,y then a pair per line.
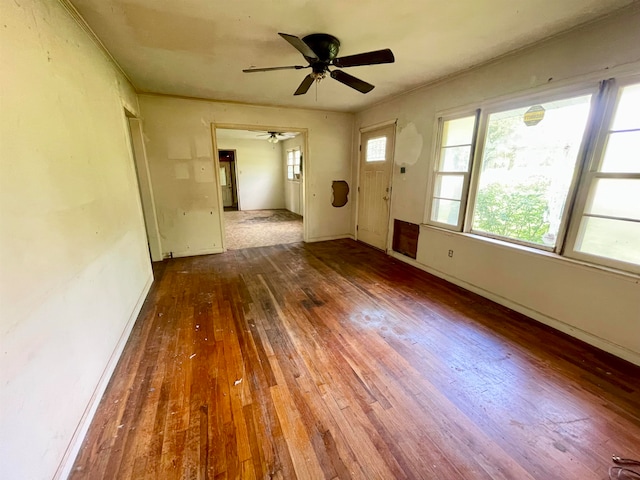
x,y
332,360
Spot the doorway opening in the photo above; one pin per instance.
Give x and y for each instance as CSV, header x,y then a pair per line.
x,y
261,181
228,182
139,157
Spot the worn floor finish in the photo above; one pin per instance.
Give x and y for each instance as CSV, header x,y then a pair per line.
x,y
332,360
261,228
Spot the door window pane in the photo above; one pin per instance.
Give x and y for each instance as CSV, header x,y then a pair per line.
x,y
376,149
223,177
527,169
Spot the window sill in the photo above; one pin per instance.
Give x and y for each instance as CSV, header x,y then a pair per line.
x,y
502,244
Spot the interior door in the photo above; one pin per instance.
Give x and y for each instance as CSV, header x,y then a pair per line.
x,y
376,160
226,184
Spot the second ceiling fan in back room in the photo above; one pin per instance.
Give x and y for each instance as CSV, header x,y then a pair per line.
x,y
320,50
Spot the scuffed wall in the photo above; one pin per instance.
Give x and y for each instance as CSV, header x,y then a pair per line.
x,y
593,304
179,145
259,171
73,250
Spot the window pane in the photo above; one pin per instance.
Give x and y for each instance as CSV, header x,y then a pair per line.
x,y
449,186
628,111
615,197
290,172
296,157
445,211
458,131
622,153
296,169
376,149
455,159
223,177
614,239
526,170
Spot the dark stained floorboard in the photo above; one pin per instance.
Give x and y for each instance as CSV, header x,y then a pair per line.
x,y
333,360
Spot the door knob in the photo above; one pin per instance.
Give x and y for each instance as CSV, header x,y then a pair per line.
x,y
385,197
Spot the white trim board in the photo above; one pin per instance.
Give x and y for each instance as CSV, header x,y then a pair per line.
x,y
331,237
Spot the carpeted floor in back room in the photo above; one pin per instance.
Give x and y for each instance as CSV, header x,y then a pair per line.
x,y
260,228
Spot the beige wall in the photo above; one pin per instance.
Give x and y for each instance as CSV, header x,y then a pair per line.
x,y
293,191
259,170
179,150
73,250
598,306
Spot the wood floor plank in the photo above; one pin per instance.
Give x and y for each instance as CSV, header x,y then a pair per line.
x,y
335,361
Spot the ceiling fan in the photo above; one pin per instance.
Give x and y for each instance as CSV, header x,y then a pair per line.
x,y
275,137
320,50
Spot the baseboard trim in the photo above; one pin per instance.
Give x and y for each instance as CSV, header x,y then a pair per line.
x,y
66,464
559,325
195,253
331,237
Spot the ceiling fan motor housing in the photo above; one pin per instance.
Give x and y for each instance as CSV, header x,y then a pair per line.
x,y
325,46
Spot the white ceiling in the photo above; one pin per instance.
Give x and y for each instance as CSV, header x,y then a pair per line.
x,y
198,48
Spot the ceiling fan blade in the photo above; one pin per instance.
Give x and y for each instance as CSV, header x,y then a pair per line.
x,y
299,45
270,69
351,81
305,85
368,58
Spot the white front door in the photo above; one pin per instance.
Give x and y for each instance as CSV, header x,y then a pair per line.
x,y
376,160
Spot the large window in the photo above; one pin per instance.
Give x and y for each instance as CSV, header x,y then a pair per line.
x,y
559,174
528,162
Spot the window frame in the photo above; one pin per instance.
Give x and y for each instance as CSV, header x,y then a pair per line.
x,y
589,157
296,176
435,171
521,101
610,98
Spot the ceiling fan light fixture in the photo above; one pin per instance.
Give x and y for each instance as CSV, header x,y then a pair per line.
x,y
272,138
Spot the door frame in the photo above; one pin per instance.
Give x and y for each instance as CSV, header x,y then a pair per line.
x,y
140,163
216,168
362,131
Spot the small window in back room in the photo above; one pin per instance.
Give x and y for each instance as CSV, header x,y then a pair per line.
x,y
294,158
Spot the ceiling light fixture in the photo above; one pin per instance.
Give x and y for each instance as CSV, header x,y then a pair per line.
x,y
272,138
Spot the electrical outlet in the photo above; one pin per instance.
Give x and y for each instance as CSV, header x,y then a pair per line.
x,y
450,253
